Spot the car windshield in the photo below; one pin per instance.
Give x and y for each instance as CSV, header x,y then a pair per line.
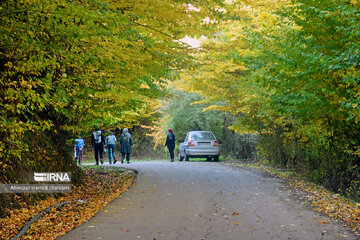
x,y
202,136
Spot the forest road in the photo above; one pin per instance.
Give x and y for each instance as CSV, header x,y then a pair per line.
x,y
206,201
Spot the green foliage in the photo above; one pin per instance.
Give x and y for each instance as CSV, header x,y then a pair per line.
x,y
186,112
187,116
68,65
290,71
287,70
308,77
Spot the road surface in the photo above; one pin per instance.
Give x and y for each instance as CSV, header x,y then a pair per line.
x,y
206,201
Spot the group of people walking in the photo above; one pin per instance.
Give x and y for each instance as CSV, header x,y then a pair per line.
x,y
98,142
101,144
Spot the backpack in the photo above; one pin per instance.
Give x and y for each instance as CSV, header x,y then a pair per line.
x,y
97,136
126,138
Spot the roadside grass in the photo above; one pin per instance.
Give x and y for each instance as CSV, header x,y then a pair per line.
x,y
321,200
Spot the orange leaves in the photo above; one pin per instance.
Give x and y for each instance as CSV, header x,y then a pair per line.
x,y
325,222
59,220
329,203
240,224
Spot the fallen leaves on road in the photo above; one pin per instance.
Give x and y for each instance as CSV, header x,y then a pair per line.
x,y
329,203
99,189
322,200
240,224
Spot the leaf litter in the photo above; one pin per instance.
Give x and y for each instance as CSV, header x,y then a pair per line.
x,y
322,200
59,221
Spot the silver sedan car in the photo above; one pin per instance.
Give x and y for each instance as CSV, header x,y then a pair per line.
x,y
199,144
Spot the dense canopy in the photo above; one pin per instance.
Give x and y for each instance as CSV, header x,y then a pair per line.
x,y
286,70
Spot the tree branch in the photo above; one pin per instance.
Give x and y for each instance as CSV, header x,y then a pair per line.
x,y
145,26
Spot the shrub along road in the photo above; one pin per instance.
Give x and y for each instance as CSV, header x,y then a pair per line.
x,y
209,201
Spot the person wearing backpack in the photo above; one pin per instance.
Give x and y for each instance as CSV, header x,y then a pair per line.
x,y
126,142
97,142
170,143
110,143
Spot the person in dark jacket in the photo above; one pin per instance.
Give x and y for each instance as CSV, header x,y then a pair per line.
x,y
97,142
170,143
126,142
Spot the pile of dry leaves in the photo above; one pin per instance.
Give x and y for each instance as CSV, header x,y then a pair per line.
x,y
101,185
329,203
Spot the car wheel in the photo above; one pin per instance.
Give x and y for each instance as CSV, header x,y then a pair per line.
x,y
187,157
216,158
180,158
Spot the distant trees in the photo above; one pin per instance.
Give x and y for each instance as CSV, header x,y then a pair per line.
x,y
185,112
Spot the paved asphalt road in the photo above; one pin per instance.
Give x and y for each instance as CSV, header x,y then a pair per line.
x,y
206,201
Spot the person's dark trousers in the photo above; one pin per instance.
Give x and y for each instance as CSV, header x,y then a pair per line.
x,y
171,151
99,150
127,157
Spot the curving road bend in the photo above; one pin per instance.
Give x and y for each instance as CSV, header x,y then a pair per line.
x,y
206,201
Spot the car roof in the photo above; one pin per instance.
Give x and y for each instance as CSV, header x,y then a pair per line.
x,y
199,131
